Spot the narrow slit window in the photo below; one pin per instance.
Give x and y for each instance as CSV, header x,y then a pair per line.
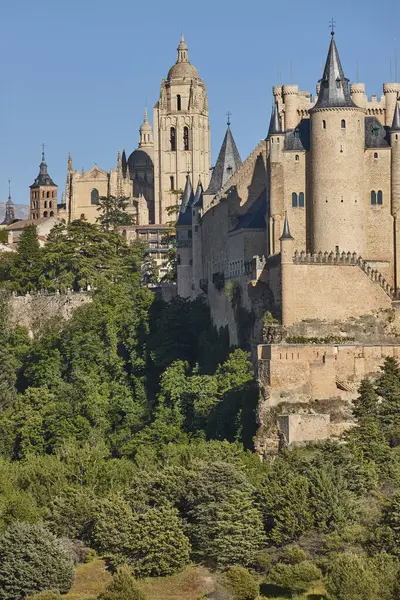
x,y
294,199
171,183
172,139
186,138
380,197
343,124
301,199
375,155
373,197
324,124
178,102
297,158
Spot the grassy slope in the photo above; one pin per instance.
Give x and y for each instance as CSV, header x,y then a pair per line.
x,y
92,579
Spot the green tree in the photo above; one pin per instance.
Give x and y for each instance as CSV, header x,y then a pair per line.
x,y
366,405
113,212
296,578
31,560
242,584
350,578
123,587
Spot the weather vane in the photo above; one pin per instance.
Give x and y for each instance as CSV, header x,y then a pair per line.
x,y
332,25
229,114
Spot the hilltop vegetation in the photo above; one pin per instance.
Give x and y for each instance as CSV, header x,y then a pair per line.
x,y
128,431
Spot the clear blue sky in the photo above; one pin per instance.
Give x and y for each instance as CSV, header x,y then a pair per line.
x,y
76,74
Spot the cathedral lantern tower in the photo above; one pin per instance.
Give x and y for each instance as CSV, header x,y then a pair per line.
x,y
337,164
181,134
43,194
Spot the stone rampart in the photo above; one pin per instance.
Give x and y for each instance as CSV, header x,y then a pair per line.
x,y
33,310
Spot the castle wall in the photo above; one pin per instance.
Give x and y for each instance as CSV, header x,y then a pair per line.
x,y
301,428
317,291
293,372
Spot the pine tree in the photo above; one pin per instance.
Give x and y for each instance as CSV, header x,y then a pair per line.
x,y
123,587
366,405
113,212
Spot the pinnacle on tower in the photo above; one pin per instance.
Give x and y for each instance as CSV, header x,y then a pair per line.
x,y
275,125
286,235
10,212
198,197
185,212
182,50
227,164
396,119
43,178
334,86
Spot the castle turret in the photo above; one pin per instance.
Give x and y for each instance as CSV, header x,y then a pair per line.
x,y
287,289
184,241
358,95
197,272
227,164
391,92
290,99
395,186
275,183
337,164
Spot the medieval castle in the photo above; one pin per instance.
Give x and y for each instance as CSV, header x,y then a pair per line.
x,y
297,248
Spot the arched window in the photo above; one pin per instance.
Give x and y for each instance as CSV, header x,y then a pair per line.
x,y
42,194
51,213
324,124
186,138
294,199
50,204
297,158
45,203
172,138
48,195
397,137
380,197
301,199
178,102
171,183
94,196
52,194
373,197
375,155
343,124
45,213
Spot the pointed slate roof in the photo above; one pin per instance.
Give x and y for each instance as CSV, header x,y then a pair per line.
x,y
185,212
198,197
43,178
396,119
286,235
275,125
334,91
227,164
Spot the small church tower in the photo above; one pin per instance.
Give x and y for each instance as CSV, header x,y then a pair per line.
x,y
276,141
181,133
337,164
10,212
43,194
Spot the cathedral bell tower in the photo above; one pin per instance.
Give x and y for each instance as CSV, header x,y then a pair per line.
x,y
181,134
43,194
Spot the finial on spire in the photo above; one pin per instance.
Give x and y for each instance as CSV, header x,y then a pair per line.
x,y
43,157
9,189
229,114
332,25
146,116
182,37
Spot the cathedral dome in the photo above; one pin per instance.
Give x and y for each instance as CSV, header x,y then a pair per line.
x,y
183,70
140,160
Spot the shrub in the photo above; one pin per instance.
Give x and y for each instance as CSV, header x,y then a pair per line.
x,y
297,578
123,587
350,578
293,555
32,560
46,595
242,584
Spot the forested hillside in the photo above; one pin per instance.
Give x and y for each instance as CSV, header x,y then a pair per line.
x,y
128,430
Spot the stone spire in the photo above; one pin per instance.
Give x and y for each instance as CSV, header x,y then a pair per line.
x,y
227,164
396,119
275,125
69,162
124,163
334,86
146,132
185,212
286,235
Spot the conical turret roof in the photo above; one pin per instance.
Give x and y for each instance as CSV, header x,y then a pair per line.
x,y
185,212
334,86
275,125
43,178
227,164
198,197
396,119
286,235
